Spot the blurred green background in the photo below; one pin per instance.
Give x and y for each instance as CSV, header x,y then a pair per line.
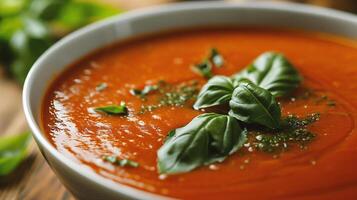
x,y
29,27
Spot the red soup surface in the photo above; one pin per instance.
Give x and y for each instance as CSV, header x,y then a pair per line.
x,y
324,169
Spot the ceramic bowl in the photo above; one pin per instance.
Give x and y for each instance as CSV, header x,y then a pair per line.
x,y
79,179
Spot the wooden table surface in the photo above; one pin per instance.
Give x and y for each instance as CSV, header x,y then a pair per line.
x,y
34,180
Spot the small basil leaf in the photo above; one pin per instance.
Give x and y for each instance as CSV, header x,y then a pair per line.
x,y
208,138
217,91
273,72
113,109
13,150
253,104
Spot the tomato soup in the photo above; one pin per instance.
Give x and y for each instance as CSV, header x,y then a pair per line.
x,y
323,169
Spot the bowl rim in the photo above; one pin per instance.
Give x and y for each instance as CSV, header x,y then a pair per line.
x,y
98,180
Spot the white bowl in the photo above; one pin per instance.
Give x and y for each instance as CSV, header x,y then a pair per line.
x,y
81,181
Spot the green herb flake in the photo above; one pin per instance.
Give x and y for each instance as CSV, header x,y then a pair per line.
x,y
13,150
321,99
113,109
331,103
135,92
120,162
101,86
204,69
216,58
143,93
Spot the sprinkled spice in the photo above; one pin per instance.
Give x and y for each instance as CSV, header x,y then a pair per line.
x,y
325,99
173,95
317,96
294,132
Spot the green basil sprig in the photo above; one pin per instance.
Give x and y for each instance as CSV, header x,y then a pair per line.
x,y
13,150
250,95
208,138
273,72
254,105
217,91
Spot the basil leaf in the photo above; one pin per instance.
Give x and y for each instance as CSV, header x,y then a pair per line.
x,y
120,162
208,138
114,109
13,150
273,72
253,104
204,69
217,91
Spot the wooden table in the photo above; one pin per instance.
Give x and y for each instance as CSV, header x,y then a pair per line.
x,y
34,178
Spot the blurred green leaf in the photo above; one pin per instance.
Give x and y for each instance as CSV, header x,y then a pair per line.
x,y
46,9
35,28
9,25
28,28
76,14
27,45
27,49
13,150
11,7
